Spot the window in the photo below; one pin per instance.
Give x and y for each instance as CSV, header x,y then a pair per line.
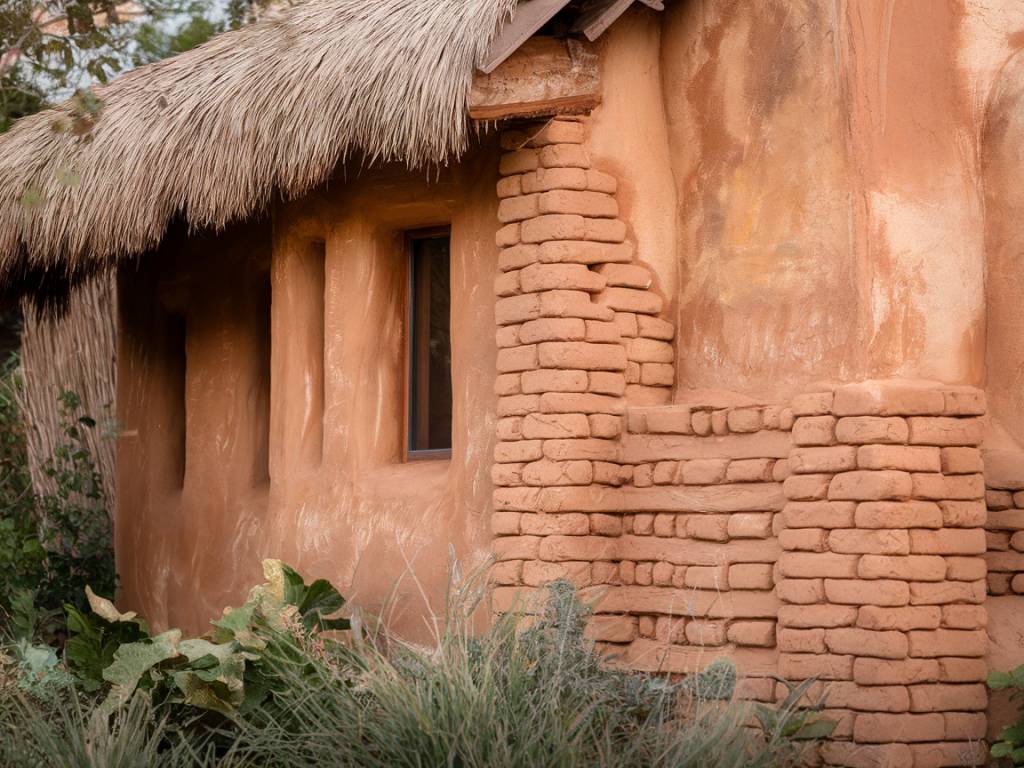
x,y
430,351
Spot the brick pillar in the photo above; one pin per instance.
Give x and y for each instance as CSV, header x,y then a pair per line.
x,y
579,336
882,576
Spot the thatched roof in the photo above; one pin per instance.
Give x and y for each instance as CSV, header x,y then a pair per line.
x,y
212,135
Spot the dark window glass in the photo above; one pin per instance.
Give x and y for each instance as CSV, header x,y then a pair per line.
x,y
430,407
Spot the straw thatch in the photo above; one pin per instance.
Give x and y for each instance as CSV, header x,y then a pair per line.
x,y
213,134
75,352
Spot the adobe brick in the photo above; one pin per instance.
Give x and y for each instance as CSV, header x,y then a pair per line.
x,y
708,527
917,458
836,458
505,523
665,525
583,252
772,416
507,284
743,420
543,426
585,203
964,617
517,451
943,697
517,208
941,430
509,428
898,514
965,726
662,574
953,670
665,472
948,541
605,425
948,642
705,632
507,336
606,383
812,404
627,322
819,514
884,592
860,430
720,422
515,547
701,422
568,524
749,470
750,525
801,666
507,384
644,350
627,572
545,179
850,755
965,514
750,576
877,644
814,430
507,474
1017,541
957,487
862,485
591,449
516,256
961,461
801,591
571,303
871,728
657,374
887,398
547,472
516,309
941,593
510,186
1017,584
519,161
581,354
894,672
536,574
553,380
901,619
912,568
997,541
644,574
507,572
655,328
643,475
632,374
758,634
964,401
580,402
579,548
876,698
564,156
704,471
809,565
880,542
612,629
515,499
601,182
507,235
515,359
517,405
631,300
603,332
801,640
966,568
806,487
803,540
810,616
548,277
995,499
606,525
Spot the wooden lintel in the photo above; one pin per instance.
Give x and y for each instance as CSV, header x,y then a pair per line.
x,y
529,16
545,76
657,5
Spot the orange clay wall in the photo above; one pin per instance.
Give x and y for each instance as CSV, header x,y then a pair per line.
x,y
261,429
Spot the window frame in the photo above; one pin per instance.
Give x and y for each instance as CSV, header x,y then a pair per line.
x,y
410,237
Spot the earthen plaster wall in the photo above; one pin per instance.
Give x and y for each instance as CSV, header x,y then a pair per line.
x,y
286,402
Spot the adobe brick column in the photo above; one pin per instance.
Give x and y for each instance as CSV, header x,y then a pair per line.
x,y
882,575
579,336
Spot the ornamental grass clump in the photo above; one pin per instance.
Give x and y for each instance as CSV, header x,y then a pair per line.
x,y
280,683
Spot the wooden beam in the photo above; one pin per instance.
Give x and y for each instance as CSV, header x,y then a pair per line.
x,y
657,5
545,76
598,16
529,16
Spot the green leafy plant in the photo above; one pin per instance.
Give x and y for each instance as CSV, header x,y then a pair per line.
x,y
1010,745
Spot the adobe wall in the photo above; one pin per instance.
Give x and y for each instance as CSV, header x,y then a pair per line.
x,y
299,456
838,535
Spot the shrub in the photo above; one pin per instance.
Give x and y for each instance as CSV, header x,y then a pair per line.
x,y
1010,745
273,684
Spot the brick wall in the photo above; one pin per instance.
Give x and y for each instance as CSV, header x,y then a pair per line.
x,y
840,536
1004,496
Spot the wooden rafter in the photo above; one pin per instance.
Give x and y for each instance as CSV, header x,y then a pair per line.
x,y
530,15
